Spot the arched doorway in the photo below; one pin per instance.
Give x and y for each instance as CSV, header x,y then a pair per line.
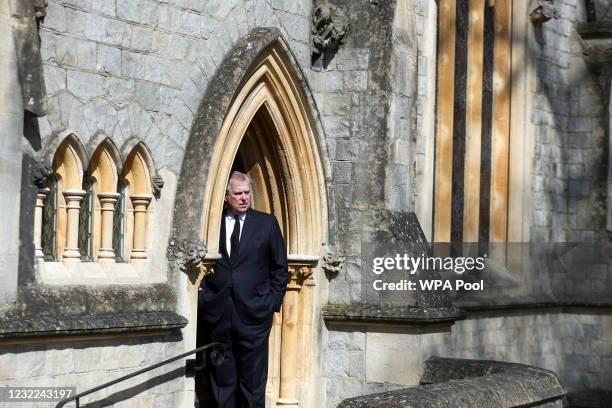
x,y
267,132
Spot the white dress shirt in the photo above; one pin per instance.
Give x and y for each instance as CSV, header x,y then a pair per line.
x,y
229,228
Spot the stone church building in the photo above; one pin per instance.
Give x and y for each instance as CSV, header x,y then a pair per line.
x,y
369,128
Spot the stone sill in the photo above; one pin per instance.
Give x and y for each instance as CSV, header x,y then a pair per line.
x,y
600,29
451,382
78,309
92,324
530,303
369,313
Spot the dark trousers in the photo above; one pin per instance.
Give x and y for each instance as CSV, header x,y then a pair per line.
x,y
240,380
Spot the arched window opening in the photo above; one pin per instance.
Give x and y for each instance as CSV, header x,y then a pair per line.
x,y
103,170
137,177
61,225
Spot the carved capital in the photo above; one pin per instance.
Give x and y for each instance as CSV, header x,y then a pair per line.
x,y
158,183
186,255
540,11
299,275
41,175
329,26
333,262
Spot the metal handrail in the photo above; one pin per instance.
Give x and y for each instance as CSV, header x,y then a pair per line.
x,y
134,374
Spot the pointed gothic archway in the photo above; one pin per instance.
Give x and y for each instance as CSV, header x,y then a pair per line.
x,y
257,113
267,125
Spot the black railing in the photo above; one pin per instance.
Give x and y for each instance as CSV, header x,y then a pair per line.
x,y
215,357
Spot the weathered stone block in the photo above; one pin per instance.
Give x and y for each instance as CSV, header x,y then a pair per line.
x,y
56,17
104,7
298,27
55,78
148,94
108,60
301,8
334,104
141,11
84,85
119,91
332,81
188,23
132,65
579,188
220,9
353,59
342,172
356,80
142,38
338,364
400,364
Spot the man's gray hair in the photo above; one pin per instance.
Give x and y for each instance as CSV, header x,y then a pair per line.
x,y
237,176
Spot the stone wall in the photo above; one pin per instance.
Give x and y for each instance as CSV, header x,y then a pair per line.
x,y
135,71
575,345
426,28
87,364
569,122
366,359
138,70
11,129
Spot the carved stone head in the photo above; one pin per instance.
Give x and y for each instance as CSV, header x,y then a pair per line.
x,y
329,26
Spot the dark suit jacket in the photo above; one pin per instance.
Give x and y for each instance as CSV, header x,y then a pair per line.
x,y
259,278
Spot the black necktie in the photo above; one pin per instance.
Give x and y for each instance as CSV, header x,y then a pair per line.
x,y
235,241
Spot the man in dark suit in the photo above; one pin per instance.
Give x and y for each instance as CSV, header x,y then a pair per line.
x,y
237,302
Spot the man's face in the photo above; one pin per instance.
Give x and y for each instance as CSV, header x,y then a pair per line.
x,y
239,197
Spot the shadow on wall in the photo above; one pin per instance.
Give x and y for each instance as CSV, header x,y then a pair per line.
x,y
87,364
131,392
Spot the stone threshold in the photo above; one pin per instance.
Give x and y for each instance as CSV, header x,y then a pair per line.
x,y
371,313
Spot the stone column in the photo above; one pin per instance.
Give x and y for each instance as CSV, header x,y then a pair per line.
x,y
290,336
38,216
140,203
107,210
73,206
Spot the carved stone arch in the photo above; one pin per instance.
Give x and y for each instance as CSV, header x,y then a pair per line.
x,y
68,161
267,98
139,197
138,169
53,143
105,166
104,173
192,201
259,103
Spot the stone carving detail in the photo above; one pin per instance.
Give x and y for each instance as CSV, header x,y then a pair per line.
x,y
158,183
329,26
542,10
333,262
41,174
186,255
27,16
299,275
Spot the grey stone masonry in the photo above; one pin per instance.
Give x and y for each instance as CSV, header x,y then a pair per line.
x,y
138,69
569,120
11,134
